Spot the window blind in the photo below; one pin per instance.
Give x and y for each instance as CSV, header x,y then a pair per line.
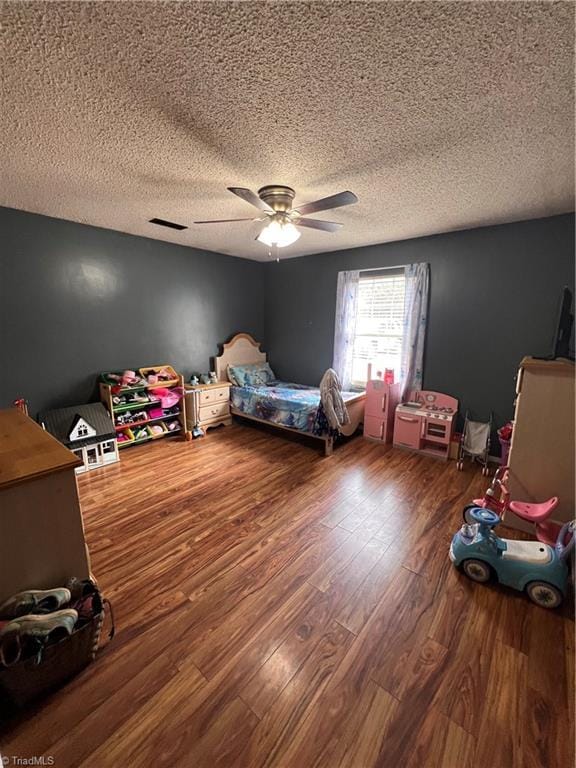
x,y
379,324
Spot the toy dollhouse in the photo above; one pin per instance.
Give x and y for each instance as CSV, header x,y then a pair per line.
x,y
87,430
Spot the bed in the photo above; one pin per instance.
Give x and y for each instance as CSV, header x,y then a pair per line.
x,y
292,407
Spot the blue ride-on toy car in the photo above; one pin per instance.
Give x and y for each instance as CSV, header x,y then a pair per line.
x,y
531,566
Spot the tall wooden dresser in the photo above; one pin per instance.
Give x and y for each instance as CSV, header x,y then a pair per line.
x,y
41,531
541,457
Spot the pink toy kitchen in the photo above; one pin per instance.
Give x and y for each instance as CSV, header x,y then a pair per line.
x,y
426,423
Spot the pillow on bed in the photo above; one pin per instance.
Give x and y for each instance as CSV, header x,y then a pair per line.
x,y
252,375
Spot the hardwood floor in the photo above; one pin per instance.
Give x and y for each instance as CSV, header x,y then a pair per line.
x,y
276,608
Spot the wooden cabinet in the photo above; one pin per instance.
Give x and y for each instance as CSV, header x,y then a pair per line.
x,y
208,405
541,457
41,531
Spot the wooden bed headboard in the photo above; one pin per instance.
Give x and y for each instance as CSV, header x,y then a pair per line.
x,y
242,349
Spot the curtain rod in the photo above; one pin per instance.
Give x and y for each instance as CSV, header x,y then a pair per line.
x,y
381,269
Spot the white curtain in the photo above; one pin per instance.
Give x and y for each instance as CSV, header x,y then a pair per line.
x,y
415,319
345,327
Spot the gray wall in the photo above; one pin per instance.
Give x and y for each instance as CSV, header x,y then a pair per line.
x,y
76,300
494,294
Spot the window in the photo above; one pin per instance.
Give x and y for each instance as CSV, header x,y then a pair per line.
x,y
379,324
82,430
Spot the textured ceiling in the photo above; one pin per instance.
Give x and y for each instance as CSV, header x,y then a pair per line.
x,y
437,115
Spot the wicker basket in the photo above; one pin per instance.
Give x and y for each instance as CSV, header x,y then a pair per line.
x,y
32,678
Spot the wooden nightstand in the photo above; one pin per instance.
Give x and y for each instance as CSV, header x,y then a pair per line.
x,y
208,405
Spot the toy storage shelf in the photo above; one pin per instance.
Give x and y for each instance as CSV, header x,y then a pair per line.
x,y
132,406
146,439
110,390
169,416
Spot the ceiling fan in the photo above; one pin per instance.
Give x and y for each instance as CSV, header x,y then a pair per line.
x,y
275,201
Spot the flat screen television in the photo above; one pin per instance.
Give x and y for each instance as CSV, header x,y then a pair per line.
x,y
563,331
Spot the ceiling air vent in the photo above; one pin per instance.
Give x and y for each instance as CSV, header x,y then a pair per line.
x,y
169,224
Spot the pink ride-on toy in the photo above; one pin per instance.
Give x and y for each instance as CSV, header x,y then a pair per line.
x,y
497,498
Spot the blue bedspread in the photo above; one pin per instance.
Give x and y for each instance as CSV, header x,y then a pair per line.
x,y
280,402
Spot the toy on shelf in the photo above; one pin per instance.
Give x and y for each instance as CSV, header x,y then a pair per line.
x,y
497,499
475,443
125,379
157,430
126,436
163,375
168,397
21,404
389,375
145,405
505,438
140,434
538,569
425,423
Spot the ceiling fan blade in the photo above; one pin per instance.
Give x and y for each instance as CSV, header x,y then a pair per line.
x,y
325,226
334,201
250,197
222,221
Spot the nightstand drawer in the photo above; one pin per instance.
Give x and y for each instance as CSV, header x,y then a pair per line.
x,y
214,411
215,395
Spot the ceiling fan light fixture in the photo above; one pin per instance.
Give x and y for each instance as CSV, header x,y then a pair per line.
x,y
282,221
278,233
